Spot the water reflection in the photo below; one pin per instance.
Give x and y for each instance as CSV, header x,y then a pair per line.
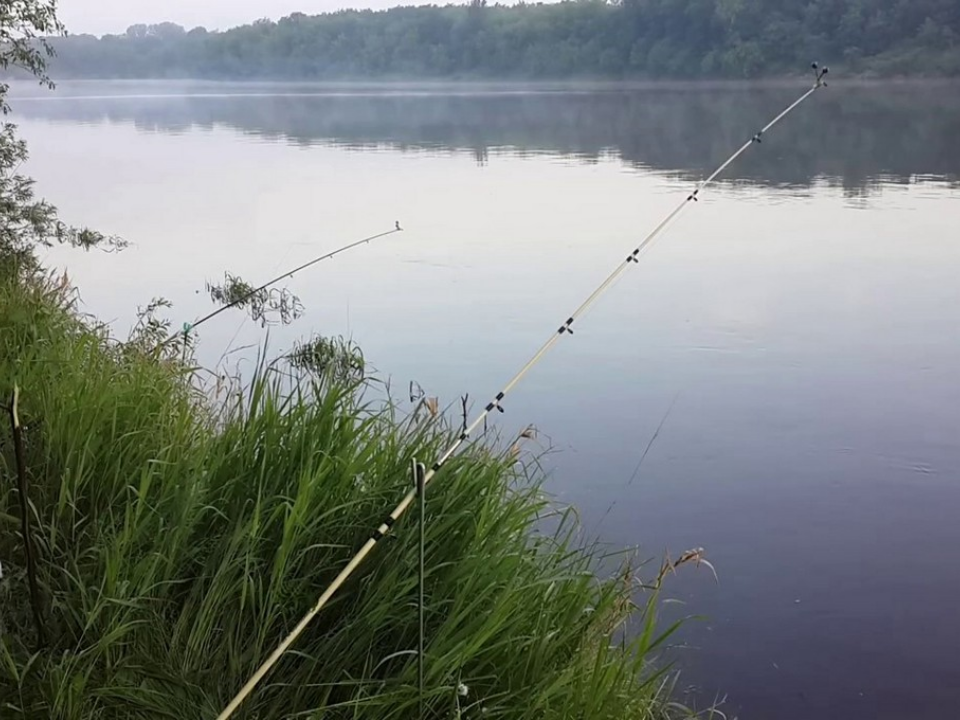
x,y
852,137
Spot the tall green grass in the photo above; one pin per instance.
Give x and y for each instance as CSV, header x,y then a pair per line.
x,y
181,537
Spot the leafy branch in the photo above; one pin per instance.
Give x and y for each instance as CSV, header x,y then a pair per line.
x,y
261,303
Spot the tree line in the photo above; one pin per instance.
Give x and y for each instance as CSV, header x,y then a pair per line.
x,y
574,38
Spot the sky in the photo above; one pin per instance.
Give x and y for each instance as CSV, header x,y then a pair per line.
x,y
115,16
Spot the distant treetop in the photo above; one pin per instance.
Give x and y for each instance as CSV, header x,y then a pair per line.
x,y
582,38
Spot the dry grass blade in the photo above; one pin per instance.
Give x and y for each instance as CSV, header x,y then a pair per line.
x,y
697,556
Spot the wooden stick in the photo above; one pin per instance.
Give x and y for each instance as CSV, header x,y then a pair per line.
x,y
25,518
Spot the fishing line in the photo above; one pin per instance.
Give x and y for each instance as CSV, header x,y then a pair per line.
x,y
643,456
565,329
419,472
189,327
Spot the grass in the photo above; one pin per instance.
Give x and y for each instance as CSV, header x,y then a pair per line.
x,y
181,534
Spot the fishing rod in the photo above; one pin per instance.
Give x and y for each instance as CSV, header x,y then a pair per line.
x,y
565,329
189,327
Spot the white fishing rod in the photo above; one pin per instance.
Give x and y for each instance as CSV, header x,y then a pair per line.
x,y
564,329
190,327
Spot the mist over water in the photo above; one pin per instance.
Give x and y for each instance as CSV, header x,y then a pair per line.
x,y
802,321
666,127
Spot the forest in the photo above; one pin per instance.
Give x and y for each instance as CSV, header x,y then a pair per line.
x,y
570,39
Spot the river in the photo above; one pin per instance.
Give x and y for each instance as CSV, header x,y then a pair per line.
x,y
796,333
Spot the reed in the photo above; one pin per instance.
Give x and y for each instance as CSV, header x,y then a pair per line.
x,y
179,538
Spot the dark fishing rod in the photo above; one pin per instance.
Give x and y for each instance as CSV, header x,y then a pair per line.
x,y
495,404
189,327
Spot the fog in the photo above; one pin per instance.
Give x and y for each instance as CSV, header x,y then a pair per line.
x,y
98,17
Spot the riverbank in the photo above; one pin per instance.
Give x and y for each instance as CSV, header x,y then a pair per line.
x,y
179,538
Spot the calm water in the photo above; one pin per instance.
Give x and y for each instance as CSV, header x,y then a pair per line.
x,y
804,318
